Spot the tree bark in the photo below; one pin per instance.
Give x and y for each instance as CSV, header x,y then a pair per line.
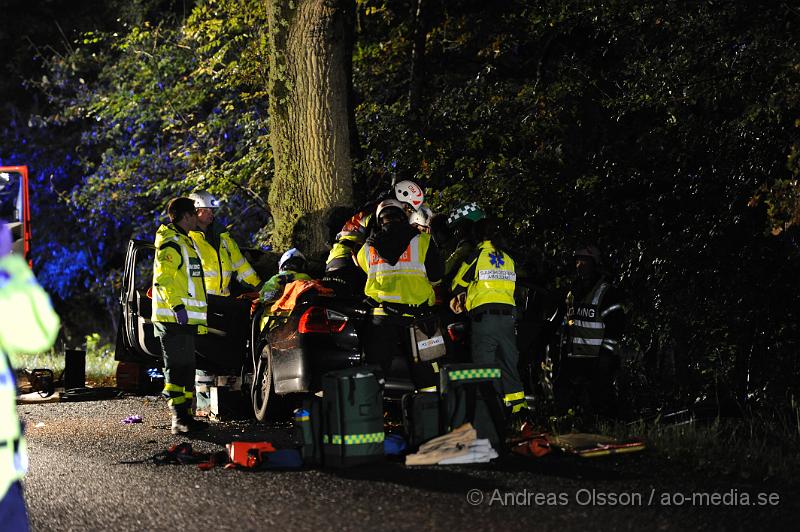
x,y
309,130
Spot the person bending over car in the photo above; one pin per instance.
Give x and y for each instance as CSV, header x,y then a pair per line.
x,y
402,265
291,267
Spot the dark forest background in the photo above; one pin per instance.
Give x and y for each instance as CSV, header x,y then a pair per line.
x,y
665,131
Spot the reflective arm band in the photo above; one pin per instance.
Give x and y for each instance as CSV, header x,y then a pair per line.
x,y
611,309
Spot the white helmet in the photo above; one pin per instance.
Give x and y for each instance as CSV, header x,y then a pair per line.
x,y
409,192
421,217
388,204
293,253
203,199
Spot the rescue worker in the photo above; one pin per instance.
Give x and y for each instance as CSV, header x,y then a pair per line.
x,y
460,225
421,219
341,272
592,327
220,255
484,287
179,309
402,265
291,267
28,325
222,260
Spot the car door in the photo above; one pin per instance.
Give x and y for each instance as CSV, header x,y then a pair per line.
x,y
136,341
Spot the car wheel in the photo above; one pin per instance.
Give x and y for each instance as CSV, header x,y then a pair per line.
x,y
261,392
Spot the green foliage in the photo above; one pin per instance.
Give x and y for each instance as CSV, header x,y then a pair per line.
x,y
644,127
664,131
156,111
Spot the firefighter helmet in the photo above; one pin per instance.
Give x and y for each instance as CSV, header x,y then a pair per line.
x,y
465,212
388,204
410,193
204,200
422,217
294,256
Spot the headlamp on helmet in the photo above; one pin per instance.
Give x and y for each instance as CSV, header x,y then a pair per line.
x,y
204,200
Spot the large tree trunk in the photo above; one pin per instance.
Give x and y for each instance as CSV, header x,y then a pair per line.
x,y
308,119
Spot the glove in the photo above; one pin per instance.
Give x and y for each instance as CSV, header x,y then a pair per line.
x,y
458,302
5,239
181,315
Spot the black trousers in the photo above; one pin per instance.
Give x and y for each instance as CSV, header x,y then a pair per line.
x,y
386,339
588,383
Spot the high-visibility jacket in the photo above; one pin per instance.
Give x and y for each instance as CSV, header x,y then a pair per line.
x,y
29,325
488,276
177,278
221,263
274,286
406,282
586,322
350,238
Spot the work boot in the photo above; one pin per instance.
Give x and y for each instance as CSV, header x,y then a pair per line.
x,y
183,421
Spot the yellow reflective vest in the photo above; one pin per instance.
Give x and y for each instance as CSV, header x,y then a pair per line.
x,y
406,282
177,278
489,277
29,325
220,265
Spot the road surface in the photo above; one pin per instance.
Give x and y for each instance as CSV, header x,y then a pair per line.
x,y
91,472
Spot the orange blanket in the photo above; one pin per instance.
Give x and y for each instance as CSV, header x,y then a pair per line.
x,y
294,290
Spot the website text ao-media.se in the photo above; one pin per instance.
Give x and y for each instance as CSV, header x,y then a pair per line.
x,y
596,497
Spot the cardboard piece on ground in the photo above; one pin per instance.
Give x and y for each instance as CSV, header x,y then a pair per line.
x,y
591,445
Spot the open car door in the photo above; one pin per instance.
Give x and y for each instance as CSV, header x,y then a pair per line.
x,y
221,351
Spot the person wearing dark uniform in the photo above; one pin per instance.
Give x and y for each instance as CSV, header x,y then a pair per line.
x,y
591,330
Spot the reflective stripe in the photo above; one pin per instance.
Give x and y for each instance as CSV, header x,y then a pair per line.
x,y
587,327
496,275
611,309
587,341
589,324
475,373
239,264
598,295
174,394
184,300
354,439
515,397
518,407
